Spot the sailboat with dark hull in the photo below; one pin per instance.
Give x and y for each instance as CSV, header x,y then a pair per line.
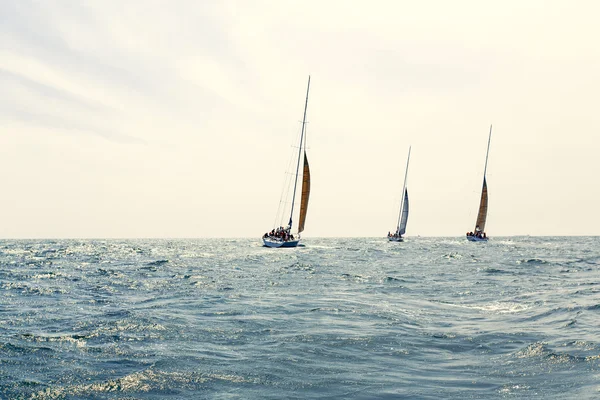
x,y
403,214
479,235
283,236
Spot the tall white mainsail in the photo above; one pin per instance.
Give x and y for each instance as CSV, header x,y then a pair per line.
x,y
404,218
403,213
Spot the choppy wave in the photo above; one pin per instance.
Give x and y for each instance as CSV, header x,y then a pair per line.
x,y
338,318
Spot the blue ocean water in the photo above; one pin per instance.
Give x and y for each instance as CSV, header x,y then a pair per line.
x,y
430,318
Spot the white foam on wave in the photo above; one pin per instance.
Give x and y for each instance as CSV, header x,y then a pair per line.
x,y
513,389
145,330
68,339
499,307
26,288
139,382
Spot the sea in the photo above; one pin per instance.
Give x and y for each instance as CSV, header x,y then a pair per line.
x,y
337,318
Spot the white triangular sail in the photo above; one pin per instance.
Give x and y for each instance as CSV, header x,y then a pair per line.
x,y
403,214
404,218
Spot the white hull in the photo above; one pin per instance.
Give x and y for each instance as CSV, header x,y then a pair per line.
x,y
476,239
275,243
395,239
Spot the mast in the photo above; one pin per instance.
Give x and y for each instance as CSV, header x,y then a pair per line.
x,y
487,153
403,190
300,148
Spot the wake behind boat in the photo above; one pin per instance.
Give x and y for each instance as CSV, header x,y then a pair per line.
x,y
479,235
403,214
283,236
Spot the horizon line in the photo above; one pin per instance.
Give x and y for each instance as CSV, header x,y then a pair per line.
x,y
259,237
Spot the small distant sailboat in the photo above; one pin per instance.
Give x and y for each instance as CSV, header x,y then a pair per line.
x,y
479,235
283,236
403,214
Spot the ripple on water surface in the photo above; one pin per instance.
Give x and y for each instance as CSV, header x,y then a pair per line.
x,y
357,318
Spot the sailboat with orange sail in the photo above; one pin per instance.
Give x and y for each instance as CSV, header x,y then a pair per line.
x,y
283,236
479,235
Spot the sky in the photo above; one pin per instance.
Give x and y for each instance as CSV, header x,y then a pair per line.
x,y
176,119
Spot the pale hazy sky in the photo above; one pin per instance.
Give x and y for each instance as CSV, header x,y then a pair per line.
x,y
174,118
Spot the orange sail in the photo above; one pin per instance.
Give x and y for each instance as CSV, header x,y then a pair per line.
x,y
483,206
305,194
